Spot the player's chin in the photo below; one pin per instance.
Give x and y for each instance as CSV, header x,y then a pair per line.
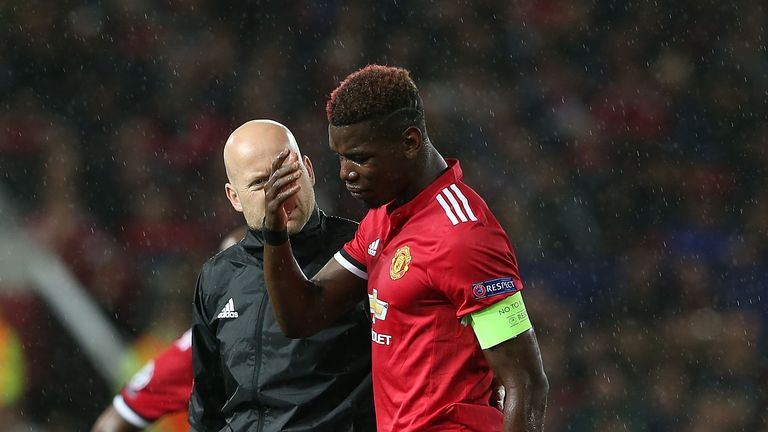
x,y
373,202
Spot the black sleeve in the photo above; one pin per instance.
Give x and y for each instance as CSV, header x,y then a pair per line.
x,y
207,396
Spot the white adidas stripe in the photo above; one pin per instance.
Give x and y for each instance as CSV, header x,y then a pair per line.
x,y
447,209
463,201
463,211
455,204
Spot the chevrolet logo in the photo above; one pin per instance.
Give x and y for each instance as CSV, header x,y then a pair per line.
x,y
378,307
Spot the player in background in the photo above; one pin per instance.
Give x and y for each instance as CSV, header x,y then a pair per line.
x,y
438,270
161,387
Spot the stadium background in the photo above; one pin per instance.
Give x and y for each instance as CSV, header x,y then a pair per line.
x,y
622,145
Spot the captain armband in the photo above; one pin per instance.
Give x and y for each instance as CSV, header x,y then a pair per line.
x,y
500,322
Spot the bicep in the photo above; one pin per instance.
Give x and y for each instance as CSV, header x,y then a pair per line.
x,y
340,289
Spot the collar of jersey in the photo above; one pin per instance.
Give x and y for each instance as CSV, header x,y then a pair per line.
x,y
254,240
452,174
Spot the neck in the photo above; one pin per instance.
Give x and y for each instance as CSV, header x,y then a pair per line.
x,y
433,166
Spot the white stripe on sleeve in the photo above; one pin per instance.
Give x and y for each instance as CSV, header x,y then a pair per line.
x,y
349,266
127,413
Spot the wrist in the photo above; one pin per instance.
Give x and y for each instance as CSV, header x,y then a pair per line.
x,y
274,237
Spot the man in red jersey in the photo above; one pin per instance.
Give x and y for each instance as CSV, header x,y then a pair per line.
x,y
161,387
439,272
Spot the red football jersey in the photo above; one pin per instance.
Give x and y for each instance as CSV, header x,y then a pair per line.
x,y
429,263
161,387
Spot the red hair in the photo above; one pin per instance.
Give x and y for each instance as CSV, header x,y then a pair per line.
x,y
372,91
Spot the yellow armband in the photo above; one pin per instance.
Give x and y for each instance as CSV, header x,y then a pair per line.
x,y
501,321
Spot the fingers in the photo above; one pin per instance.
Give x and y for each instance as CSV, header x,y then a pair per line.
x,y
285,164
285,180
285,169
276,218
281,186
276,203
278,162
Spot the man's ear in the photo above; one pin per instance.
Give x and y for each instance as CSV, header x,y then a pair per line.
x,y
412,142
233,198
310,170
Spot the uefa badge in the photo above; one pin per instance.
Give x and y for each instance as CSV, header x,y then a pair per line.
x,y
400,263
478,290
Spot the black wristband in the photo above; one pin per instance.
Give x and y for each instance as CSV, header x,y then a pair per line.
x,y
274,238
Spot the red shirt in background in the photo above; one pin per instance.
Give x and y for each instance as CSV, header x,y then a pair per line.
x,y
161,387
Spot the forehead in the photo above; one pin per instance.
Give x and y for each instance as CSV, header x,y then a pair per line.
x,y
256,157
358,136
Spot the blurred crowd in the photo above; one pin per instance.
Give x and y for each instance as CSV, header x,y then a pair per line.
x,y
622,145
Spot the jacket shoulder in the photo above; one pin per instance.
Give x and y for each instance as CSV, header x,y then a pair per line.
x,y
221,265
341,227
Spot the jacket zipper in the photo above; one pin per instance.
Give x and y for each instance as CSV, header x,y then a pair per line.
x,y
257,366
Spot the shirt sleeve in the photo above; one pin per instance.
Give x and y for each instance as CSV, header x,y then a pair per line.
x,y
475,268
161,387
207,396
353,255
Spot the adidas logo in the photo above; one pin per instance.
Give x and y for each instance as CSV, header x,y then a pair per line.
x,y
372,247
228,311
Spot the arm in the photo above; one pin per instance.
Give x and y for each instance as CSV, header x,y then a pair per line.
x,y
517,364
111,421
161,387
302,306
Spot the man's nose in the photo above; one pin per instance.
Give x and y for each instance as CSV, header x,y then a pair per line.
x,y
346,171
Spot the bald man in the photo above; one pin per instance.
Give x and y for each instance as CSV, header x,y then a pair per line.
x,y
247,375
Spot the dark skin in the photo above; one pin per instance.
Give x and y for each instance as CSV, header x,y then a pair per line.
x,y
378,170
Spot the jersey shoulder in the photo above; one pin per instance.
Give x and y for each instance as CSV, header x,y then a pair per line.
x,y
458,207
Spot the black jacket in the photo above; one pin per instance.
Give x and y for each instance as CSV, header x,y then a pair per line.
x,y
248,375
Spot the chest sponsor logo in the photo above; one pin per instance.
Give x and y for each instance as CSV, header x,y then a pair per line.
x,y
400,263
493,287
378,308
381,339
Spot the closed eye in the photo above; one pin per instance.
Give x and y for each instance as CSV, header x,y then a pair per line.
x,y
258,183
356,158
